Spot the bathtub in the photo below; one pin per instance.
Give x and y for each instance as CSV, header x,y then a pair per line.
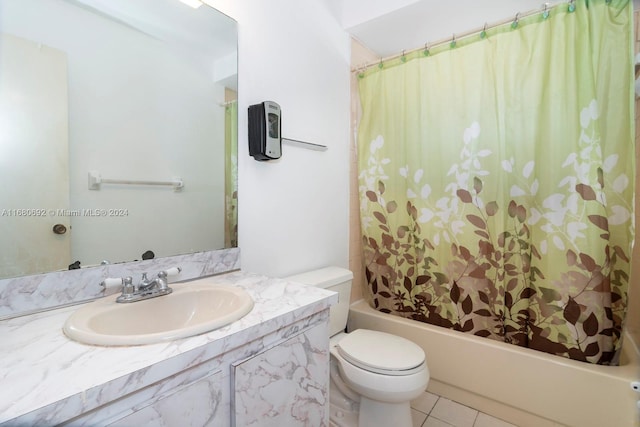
x,y
524,387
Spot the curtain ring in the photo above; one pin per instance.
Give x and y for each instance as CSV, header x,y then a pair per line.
x,y
453,41
380,64
403,58
483,33
545,11
572,6
426,49
514,24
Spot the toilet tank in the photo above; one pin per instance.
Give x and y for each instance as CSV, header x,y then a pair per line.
x,y
334,279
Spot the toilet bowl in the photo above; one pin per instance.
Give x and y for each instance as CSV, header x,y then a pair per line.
x,y
374,375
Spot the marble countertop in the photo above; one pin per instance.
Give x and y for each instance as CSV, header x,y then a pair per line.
x,y
42,370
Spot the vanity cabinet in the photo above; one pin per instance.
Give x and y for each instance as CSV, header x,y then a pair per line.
x,y
270,368
195,405
279,380
285,385
189,398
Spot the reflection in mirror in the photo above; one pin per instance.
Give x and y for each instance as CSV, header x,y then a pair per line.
x,y
138,92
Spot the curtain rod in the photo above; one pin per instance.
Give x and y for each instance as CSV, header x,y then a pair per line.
x,y
545,9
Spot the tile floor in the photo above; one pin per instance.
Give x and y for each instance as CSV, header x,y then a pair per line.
x,y
430,410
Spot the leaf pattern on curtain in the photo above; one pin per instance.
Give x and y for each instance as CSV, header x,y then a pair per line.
x,y
533,252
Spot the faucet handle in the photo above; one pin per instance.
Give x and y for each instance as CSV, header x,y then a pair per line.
x,y
128,290
127,286
111,282
163,284
173,271
111,285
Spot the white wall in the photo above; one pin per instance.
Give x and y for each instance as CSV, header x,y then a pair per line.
x,y
293,212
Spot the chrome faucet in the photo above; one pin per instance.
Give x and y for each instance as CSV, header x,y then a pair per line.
x,y
146,288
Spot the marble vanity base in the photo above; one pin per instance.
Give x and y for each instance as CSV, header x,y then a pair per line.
x,y
271,367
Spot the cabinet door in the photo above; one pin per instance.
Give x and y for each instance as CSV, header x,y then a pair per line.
x,y
188,398
285,385
195,405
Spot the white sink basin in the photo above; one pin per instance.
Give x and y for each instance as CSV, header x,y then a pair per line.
x,y
190,310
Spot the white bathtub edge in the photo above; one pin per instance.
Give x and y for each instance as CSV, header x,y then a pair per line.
x,y
518,385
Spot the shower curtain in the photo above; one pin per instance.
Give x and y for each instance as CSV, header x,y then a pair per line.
x,y
496,179
231,175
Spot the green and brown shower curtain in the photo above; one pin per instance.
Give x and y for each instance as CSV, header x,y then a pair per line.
x,y
496,179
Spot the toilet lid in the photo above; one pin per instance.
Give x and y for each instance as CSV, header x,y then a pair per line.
x,y
381,352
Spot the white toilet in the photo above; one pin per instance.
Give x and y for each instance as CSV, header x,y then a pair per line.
x,y
374,375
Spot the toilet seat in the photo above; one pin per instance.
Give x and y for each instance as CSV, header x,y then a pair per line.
x,y
381,353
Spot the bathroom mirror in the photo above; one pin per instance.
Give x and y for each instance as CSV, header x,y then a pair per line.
x,y
118,132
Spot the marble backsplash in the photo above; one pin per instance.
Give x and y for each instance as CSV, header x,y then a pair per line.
x,y
29,294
